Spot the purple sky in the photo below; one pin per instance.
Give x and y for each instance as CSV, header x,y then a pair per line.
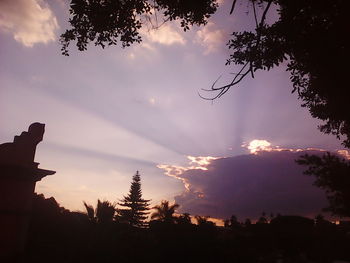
x,y
111,112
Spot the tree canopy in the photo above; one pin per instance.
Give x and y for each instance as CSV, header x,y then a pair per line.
x,y
107,22
333,175
103,213
59,235
311,36
165,212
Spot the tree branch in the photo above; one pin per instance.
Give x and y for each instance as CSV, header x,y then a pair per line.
x,y
242,73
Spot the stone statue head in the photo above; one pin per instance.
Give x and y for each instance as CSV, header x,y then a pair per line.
x,y
22,150
36,132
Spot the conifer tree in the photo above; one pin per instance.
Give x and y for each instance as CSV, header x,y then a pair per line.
x,y
136,208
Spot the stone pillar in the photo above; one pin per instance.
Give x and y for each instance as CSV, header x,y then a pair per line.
x,y
18,176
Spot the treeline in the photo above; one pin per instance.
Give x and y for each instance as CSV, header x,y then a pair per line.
x,y
105,233
59,235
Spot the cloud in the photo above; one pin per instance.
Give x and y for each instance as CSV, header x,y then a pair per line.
x,y
165,35
196,163
256,146
30,21
267,179
211,38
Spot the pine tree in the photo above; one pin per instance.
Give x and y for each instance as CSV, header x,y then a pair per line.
x,y
136,207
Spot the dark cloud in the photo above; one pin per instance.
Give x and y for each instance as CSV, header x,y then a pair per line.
x,y
247,185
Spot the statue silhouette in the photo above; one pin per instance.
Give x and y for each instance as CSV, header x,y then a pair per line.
x,y
18,176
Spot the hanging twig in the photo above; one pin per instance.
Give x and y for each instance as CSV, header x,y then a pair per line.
x,y
243,71
233,6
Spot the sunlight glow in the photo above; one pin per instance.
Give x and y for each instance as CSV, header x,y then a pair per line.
x,y
152,101
175,171
201,161
344,153
258,145
196,163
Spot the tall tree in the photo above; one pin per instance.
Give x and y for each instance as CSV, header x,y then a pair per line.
x,y
137,208
165,212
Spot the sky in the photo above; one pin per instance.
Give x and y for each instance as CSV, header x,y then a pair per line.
x,y
111,112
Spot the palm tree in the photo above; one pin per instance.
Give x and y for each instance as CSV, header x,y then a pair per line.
x,y
103,213
165,212
184,219
90,212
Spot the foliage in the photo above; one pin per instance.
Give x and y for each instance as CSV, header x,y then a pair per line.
x,y
232,222
333,175
59,235
103,213
137,207
184,219
247,222
262,220
107,22
203,221
165,212
311,36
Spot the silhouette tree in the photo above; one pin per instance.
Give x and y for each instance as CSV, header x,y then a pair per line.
x,y
247,222
58,235
107,22
262,219
103,213
137,207
232,222
295,37
203,221
333,175
184,219
90,212
165,212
